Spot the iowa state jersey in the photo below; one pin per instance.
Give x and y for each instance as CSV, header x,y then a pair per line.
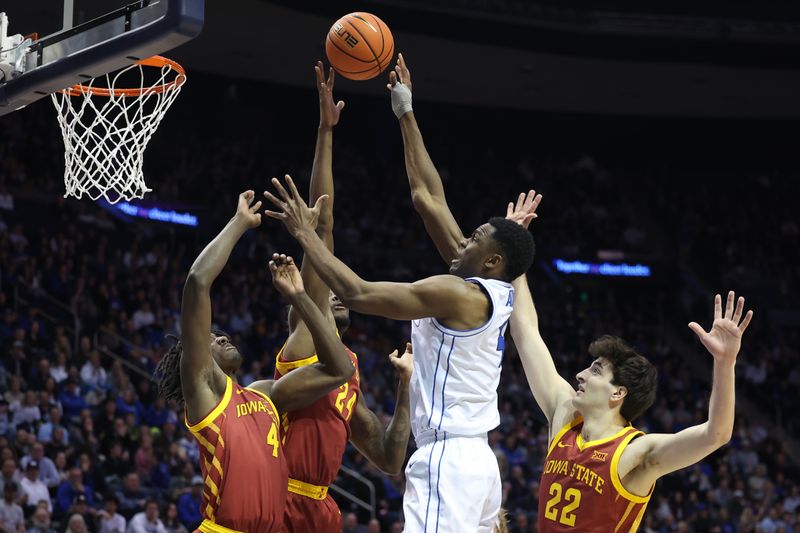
x,y
243,465
315,437
580,489
456,373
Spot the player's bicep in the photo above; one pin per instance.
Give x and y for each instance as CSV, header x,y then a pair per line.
x,y
438,296
667,452
196,363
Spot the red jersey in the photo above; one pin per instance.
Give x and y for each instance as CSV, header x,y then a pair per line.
x,y
243,464
580,489
315,437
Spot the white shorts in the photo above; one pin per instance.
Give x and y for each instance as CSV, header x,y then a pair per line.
x,y
452,486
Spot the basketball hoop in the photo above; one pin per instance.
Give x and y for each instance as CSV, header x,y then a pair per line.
x,y
105,136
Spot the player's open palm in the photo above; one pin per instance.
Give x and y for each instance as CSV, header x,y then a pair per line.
x,y
285,275
247,210
404,364
725,337
328,110
524,211
295,213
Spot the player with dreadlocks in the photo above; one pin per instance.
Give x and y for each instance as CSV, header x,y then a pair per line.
x,y
238,429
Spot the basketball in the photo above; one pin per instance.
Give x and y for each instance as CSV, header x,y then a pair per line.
x,y
359,46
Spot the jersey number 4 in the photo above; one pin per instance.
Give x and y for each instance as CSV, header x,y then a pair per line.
x,y
341,405
272,439
572,499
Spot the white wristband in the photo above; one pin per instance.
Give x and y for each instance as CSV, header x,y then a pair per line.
x,y
401,99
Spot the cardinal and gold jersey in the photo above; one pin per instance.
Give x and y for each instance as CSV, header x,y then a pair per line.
x,y
243,465
580,489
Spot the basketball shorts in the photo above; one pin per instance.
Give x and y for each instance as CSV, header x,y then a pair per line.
x,y
452,485
307,515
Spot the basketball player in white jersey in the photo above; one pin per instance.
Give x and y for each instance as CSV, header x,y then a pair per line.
x,y
481,495
458,320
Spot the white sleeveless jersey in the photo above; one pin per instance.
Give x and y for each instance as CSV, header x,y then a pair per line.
x,y
456,373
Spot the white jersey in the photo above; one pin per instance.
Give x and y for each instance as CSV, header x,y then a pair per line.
x,y
456,373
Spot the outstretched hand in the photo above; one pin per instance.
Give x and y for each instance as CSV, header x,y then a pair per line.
x,y
400,74
403,364
246,211
285,275
328,111
400,87
724,339
295,213
525,209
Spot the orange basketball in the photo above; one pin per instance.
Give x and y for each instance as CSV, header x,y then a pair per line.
x,y
359,46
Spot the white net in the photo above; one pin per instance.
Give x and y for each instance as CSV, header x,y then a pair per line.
x,y
106,129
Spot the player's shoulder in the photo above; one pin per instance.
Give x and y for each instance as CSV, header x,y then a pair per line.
x,y
564,417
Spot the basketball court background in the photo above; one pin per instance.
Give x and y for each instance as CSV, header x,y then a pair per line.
x,y
663,139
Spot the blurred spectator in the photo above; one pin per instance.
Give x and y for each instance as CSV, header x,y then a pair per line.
x,y
47,468
82,507
189,505
9,473
72,401
171,522
147,521
70,489
11,517
93,375
110,520
76,524
350,524
28,414
40,521
45,433
34,491
131,496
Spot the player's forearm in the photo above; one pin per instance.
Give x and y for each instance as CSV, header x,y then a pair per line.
x,y
214,256
345,283
524,313
322,178
721,406
329,349
423,178
395,440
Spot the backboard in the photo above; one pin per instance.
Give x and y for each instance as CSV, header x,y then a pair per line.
x,y
117,35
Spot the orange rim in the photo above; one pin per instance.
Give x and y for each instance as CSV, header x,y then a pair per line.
x,y
155,61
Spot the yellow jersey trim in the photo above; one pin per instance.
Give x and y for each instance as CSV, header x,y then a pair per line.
x,y
269,400
285,366
207,526
583,445
307,489
615,480
210,417
575,421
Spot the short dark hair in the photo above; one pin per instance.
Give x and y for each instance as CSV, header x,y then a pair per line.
x,y
630,370
516,246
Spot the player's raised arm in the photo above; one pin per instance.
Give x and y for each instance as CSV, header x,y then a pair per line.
x,y
427,191
386,447
299,341
549,389
305,385
202,381
442,297
654,455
